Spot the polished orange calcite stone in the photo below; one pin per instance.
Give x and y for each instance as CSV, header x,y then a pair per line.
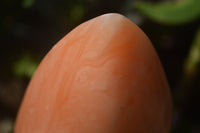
x,y
102,77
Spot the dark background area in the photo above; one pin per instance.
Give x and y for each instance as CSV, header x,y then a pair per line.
x,y
29,28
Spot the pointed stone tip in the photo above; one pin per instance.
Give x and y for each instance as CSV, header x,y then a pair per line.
x,y
112,20
112,16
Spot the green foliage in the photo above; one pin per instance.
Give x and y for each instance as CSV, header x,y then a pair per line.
x,y
192,63
25,66
172,13
6,126
27,3
77,12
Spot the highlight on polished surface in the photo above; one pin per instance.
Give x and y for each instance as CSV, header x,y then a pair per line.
x,y
102,77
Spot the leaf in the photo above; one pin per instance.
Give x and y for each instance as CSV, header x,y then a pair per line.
x,y
192,63
27,3
6,125
173,13
25,66
76,13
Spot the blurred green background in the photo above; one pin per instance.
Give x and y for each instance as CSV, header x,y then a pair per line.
x,y
29,28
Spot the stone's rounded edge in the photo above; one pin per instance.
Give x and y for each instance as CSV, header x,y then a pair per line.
x,y
110,15
114,20
120,20
113,17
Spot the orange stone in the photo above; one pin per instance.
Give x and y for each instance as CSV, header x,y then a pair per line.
x,y
102,77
